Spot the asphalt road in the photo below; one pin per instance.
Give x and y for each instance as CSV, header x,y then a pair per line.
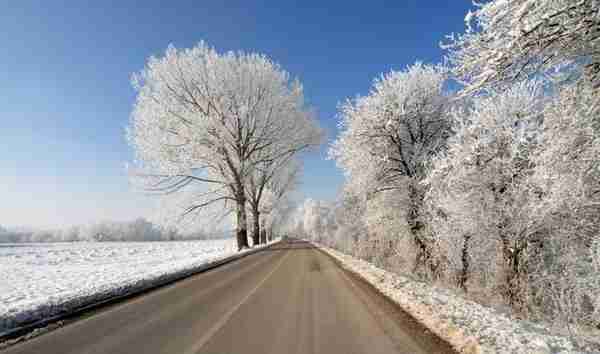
x,y
290,298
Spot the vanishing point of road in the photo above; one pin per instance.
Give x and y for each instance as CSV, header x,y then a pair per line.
x,y
289,298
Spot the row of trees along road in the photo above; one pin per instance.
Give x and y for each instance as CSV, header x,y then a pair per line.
x,y
492,188
227,124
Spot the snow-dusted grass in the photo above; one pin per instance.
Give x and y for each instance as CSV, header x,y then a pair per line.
x,y
42,280
467,326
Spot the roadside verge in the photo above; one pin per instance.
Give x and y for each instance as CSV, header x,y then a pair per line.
x,y
467,326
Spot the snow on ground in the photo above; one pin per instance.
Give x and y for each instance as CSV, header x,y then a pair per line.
x,y
466,325
41,280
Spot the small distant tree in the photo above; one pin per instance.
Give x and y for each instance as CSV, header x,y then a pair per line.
x,y
316,220
280,217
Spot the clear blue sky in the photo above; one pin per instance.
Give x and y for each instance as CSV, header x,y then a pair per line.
x,y
65,95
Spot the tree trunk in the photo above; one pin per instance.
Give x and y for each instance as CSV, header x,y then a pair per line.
x,y
256,227
424,256
464,273
512,259
242,222
263,233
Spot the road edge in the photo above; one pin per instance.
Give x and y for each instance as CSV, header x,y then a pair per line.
x,y
457,340
421,330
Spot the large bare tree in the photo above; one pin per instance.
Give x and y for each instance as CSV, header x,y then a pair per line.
x,y
207,118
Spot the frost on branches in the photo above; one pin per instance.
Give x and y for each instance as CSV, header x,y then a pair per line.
x,y
388,137
268,187
209,118
512,39
566,176
475,202
521,181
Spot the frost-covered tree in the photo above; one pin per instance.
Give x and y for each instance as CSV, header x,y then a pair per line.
x,y
276,172
512,39
313,219
203,117
475,201
566,178
387,242
388,137
349,213
279,217
277,190
546,217
521,180
389,134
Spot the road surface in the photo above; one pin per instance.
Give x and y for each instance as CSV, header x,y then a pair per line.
x,y
290,298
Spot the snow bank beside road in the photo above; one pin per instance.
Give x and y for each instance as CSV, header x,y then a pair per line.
x,y
42,280
466,325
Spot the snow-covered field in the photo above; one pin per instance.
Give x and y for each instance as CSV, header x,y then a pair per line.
x,y
466,325
41,280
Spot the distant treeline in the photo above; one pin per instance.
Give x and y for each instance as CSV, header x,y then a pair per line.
x,y
137,230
